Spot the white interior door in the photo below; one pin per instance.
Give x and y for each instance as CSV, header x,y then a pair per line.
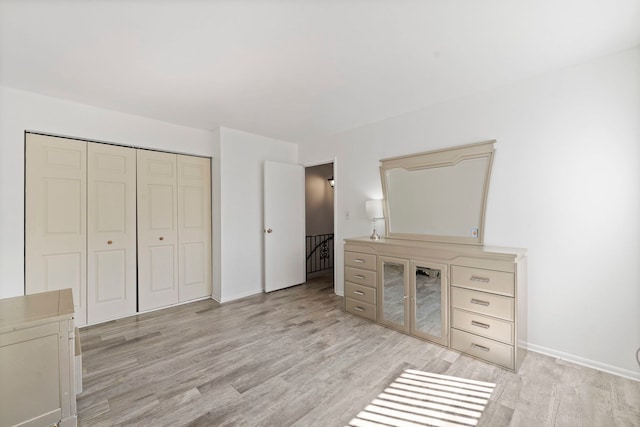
x,y
55,218
111,229
157,230
194,227
284,225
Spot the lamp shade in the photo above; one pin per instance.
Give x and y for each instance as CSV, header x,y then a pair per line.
x,y
373,209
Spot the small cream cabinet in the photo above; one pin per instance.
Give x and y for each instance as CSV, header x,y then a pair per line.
x,y
469,298
37,369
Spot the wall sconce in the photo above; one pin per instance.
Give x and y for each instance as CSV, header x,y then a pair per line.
x,y
374,213
332,182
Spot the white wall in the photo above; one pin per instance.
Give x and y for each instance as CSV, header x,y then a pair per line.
x,y
565,185
242,157
216,227
20,111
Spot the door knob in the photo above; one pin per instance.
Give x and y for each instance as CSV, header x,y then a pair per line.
x,y
268,230
109,242
161,238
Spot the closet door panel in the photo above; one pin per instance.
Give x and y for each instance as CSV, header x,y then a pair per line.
x,y
111,240
194,230
55,218
157,229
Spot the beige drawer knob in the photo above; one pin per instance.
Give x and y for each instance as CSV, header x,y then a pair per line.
x,y
480,347
480,324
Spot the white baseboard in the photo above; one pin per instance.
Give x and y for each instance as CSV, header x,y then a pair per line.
x,y
239,296
621,372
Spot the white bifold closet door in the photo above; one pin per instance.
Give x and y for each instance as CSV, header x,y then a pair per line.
x,y
127,230
111,224
194,227
157,229
55,218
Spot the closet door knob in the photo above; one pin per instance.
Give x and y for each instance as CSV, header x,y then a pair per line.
x,y
161,238
109,242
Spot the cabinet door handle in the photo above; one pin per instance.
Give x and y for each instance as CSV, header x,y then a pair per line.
x,y
479,279
479,302
480,324
359,276
359,261
358,292
480,347
358,308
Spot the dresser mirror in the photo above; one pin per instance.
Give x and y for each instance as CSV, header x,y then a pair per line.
x,y
438,196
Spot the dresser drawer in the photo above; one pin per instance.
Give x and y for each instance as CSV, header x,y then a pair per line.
x,y
360,277
482,348
358,260
360,293
483,303
360,308
500,330
497,282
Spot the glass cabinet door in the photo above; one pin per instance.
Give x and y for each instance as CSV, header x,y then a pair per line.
x,y
394,293
429,301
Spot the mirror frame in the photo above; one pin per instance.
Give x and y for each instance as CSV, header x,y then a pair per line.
x,y
435,159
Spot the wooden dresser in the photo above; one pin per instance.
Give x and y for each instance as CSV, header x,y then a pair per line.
x,y
37,370
480,293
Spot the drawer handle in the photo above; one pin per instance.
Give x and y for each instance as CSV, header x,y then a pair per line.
x,y
479,324
358,260
479,279
358,308
358,292
480,347
359,276
479,302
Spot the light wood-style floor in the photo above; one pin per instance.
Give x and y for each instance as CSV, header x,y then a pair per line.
x,y
294,357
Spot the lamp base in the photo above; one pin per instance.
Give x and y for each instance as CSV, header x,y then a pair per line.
x,y
374,235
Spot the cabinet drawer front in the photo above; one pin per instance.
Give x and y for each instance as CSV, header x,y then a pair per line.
x,y
482,348
360,293
360,308
358,260
497,282
483,303
360,277
478,324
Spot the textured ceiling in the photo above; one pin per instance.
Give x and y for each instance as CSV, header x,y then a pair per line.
x,y
295,69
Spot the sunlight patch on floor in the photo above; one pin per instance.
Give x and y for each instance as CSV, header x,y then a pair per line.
x,y
418,399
